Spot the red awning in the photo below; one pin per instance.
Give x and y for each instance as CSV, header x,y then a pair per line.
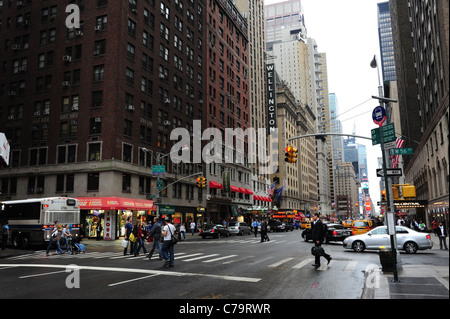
x,y
234,188
241,190
114,203
213,184
247,191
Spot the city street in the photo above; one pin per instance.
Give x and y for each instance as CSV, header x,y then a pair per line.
x,y
237,267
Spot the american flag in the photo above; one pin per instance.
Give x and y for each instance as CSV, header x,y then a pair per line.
x,y
271,189
395,158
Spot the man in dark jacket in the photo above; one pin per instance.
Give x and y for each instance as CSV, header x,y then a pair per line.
x,y
155,232
318,234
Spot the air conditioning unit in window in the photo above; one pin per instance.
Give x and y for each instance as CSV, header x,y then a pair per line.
x,y
16,47
98,119
97,52
46,112
74,108
167,101
37,113
97,28
130,107
161,76
12,93
65,84
166,123
67,58
22,68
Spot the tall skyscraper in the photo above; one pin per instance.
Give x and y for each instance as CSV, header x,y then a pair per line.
x,y
386,45
281,15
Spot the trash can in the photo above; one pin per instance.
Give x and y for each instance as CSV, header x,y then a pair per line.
x,y
386,261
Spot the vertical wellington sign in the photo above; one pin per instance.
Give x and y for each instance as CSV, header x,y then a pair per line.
x,y
271,98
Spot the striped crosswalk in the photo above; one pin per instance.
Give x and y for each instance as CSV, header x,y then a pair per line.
x,y
291,262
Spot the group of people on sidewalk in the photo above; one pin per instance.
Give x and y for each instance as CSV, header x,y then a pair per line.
x,y
166,231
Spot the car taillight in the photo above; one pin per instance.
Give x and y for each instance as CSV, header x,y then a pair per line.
x,y
428,237
212,230
335,233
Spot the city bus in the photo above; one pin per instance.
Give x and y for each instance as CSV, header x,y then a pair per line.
x,y
31,221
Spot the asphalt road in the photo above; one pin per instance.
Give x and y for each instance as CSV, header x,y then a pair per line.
x,y
237,267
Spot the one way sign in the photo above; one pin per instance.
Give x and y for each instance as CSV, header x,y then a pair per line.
x,y
389,172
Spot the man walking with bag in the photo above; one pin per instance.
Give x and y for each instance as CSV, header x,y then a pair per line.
x,y
167,249
318,234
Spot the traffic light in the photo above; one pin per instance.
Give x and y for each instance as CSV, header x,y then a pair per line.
x,y
291,154
203,182
383,195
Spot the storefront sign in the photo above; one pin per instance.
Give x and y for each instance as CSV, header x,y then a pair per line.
x,y
271,97
167,209
283,216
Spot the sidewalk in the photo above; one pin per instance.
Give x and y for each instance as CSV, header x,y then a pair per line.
x,y
415,281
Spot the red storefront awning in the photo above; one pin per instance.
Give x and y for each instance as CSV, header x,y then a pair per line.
x,y
213,184
248,191
114,203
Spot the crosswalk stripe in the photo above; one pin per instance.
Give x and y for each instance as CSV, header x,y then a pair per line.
x,y
187,256
201,257
303,263
350,266
280,262
325,266
220,258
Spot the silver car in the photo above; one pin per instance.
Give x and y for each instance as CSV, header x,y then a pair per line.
x,y
407,239
239,228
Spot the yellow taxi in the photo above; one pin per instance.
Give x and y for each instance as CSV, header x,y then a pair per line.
x,y
305,224
361,226
347,223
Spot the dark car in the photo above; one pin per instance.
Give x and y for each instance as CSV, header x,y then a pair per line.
x,y
276,225
335,232
216,231
289,226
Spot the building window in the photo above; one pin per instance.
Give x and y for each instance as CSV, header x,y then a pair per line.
x,y
95,125
99,72
93,181
126,182
94,151
127,153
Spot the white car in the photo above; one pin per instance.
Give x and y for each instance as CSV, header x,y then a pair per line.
x,y
407,239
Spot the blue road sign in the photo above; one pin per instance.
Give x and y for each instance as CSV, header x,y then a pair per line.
x,y
379,115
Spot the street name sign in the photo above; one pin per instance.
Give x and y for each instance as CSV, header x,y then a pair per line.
x,y
388,134
389,172
401,151
158,169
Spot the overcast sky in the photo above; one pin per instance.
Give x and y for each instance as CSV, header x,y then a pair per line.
x,y
347,31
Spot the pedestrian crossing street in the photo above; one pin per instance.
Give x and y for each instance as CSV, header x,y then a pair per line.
x,y
198,257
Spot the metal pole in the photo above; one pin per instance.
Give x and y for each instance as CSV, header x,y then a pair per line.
x,y
389,219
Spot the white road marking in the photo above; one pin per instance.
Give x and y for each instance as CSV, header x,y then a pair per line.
x,y
201,257
131,280
281,262
350,266
140,271
43,274
220,258
303,263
